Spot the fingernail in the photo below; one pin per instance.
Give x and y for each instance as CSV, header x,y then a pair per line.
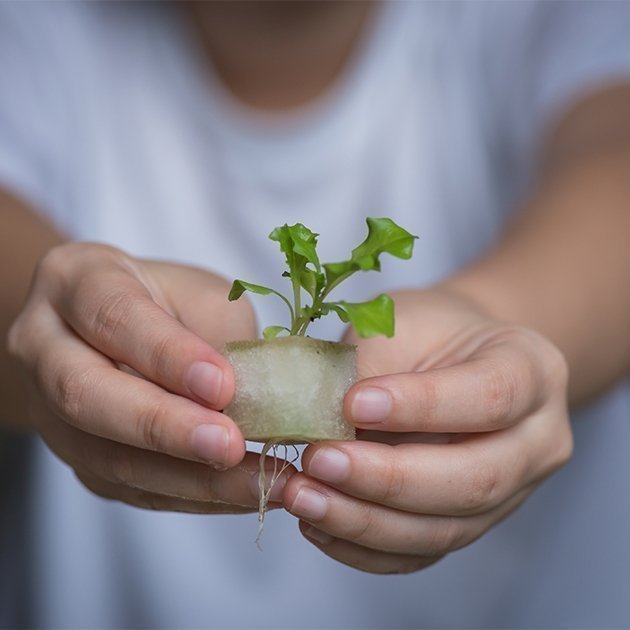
x,y
370,405
329,464
276,490
318,535
210,443
205,380
309,504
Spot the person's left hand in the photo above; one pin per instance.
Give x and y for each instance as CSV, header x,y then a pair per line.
x,y
459,418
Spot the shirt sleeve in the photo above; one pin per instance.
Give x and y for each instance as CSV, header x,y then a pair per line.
x,y
548,56
34,130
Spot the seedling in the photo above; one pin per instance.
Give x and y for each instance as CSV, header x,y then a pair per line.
x,y
289,387
306,273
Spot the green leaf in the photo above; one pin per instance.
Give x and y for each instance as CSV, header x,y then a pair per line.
x,y
273,331
282,235
239,287
372,318
384,236
298,244
312,281
306,273
297,240
304,243
338,272
327,307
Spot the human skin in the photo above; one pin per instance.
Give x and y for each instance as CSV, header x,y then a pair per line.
x,y
128,385
495,345
142,466
485,357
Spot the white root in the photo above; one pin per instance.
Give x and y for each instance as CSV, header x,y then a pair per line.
x,y
263,492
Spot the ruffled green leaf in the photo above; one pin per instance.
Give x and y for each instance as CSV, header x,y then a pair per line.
x,y
304,244
306,273
372,318
298,244
384,236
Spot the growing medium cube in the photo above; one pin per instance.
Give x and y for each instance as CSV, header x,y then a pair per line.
x,y
291,389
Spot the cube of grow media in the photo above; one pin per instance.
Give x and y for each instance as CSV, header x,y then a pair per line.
x,y
291,389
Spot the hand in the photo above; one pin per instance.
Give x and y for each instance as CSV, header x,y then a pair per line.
x,y
129,384
460,417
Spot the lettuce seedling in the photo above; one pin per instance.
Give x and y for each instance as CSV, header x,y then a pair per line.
x,y
317,280
289,387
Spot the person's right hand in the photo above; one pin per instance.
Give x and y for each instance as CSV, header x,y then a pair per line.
x,y
129,384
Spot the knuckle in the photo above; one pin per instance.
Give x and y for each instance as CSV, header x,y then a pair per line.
x,y
359,529
499,392
61,260
111,314
151,426
549,372
14,340
479,488
557,374
161,358
60,256
446,535
564,444
567,445
67,270
393,482
55,260
429,401
564,453
72,390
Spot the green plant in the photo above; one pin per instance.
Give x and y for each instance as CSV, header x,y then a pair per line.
x,y
299,245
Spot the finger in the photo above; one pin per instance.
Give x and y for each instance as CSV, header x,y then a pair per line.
x,y
384,529
489,392
112,307
154,473
89,393
469,477
362,558
152,501
383,437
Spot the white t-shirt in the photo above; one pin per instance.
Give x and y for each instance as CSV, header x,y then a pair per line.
x,y
111,125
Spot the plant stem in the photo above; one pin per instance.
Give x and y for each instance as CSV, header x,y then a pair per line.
x,y
303,326
327,289
297,302
303,320
288,304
